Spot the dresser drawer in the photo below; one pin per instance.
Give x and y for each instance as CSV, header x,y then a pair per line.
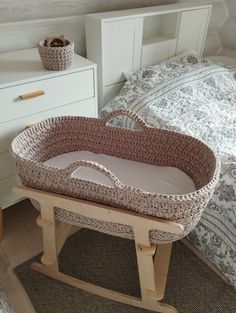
x,y
7,196
7,167
57,91
9,130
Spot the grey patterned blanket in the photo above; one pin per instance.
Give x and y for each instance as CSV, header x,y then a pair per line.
x,y
4,304
190,94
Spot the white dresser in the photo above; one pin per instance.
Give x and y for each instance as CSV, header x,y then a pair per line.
x,y
29,93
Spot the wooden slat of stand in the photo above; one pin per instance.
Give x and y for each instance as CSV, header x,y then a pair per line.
x,y
146,269
62,232
49,236
143,223
161,265
152,276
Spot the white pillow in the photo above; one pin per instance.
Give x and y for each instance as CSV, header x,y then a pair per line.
x,y
128,74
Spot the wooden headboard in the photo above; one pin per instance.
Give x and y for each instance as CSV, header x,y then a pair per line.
x,y
127,40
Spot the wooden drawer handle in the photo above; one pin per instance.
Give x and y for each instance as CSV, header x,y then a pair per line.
x,y
32,94
29,126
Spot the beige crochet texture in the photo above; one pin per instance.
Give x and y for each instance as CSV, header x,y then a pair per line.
x,y
59,135
56,58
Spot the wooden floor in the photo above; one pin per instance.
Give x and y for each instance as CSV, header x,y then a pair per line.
x,y
22,240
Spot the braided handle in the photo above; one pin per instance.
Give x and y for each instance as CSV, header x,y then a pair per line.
x,y
69,170
122,112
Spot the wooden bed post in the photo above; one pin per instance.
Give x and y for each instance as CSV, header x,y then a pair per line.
x,y
152,274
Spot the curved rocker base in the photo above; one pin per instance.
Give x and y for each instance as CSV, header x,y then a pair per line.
x,y
152,304
152,273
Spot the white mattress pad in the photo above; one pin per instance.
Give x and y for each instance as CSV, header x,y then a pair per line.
x,y
150,178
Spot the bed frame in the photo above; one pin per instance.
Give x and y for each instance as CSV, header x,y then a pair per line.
x,y
127,40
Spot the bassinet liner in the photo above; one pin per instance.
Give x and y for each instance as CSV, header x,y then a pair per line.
x,y
59,135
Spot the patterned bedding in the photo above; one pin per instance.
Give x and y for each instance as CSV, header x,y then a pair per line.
x,y
192,95
4,304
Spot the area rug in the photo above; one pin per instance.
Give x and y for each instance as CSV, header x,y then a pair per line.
x,y
111,263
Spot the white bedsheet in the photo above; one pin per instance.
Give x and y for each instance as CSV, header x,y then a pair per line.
x,y
155,179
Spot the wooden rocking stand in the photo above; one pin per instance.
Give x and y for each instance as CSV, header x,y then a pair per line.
x,y
152,274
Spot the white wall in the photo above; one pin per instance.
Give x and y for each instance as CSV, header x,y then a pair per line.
x,y
227,32
24,22
221,37
21,10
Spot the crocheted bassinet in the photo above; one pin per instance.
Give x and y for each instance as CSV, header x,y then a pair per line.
x,y
55,136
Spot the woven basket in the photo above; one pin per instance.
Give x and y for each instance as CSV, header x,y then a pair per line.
x,y
56,58
55,136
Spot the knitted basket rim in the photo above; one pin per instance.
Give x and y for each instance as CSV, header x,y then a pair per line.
x,y
102,122
42,46
59,135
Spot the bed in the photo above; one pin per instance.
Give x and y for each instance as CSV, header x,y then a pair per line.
x,y
195,96
183,92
